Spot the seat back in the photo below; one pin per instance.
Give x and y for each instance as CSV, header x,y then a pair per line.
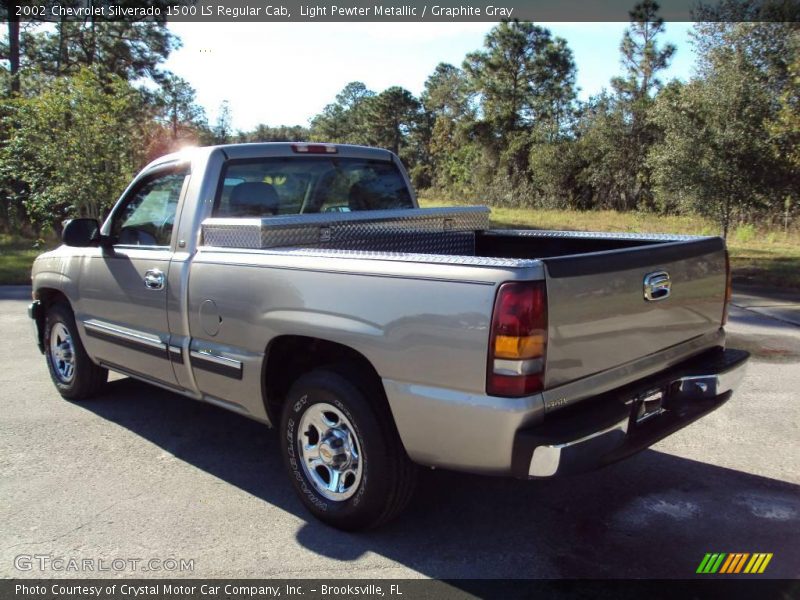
x,y
359,197
253,199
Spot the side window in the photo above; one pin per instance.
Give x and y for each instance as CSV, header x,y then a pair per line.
x,y
147,214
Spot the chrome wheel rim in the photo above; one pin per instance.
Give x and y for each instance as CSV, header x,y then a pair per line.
x,y
62,353
331,451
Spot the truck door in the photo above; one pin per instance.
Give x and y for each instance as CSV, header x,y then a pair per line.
x,y
123,304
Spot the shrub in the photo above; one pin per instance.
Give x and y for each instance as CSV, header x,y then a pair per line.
x,y
745,233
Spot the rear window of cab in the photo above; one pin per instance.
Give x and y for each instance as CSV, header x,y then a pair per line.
x,y
294,185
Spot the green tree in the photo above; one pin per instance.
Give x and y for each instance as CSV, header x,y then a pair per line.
x,y
524,78
41,55
523,74
448,114
447,93
222,130
177,101
715,158
729,134
393,115
345,120
630,134
13,53
130,50
642,57
282,133
330,125
353,94
74,147
768,53
785,125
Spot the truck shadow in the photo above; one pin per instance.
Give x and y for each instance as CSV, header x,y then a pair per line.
x,y
652,516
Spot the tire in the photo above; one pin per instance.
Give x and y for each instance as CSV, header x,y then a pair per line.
x,y
376,479
63,348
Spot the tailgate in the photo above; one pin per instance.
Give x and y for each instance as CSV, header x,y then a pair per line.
x,y
599,317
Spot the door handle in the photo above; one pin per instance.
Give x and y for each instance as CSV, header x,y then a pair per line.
x,y
154,279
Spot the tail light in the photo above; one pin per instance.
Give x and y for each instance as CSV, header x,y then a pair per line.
x,y
518,340
728,288
314,149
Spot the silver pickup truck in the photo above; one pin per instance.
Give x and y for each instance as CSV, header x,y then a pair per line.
x,y
302,286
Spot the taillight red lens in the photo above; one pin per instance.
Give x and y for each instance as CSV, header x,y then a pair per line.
x,y
518,340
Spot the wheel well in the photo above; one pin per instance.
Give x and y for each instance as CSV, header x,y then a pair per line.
x,y
50,296
290,356
47,297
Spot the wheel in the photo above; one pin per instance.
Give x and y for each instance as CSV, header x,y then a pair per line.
x,y
343,453
74,374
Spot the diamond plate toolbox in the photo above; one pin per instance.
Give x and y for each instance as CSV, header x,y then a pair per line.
x,y
425,230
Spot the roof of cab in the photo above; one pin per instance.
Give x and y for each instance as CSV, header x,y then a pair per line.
x,y
268,149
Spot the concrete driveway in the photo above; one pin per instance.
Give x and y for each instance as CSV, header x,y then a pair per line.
x,y
142,473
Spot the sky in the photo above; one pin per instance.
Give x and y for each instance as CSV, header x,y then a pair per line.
x,y
285,73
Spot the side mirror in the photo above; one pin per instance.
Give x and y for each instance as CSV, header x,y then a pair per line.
x,y
81,233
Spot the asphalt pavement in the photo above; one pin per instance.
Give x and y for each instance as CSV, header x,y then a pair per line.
x,y
140,473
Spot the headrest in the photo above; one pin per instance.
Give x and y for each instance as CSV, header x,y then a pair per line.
x,y
254,198
359,197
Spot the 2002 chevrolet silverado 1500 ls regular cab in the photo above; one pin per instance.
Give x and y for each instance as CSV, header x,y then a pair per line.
x,y
301,285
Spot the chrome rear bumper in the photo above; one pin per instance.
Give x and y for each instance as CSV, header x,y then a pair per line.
x,y
625,421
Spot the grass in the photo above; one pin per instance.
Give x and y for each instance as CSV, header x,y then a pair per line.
x,y
768,258
16,257
758,257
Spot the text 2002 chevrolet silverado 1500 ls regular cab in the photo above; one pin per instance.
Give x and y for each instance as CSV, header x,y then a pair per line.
x,y
301,285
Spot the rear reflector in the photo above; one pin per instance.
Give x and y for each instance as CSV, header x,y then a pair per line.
x,y
518,341
314,148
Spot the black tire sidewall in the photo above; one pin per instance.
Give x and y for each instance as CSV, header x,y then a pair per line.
x,y
60,313
368,503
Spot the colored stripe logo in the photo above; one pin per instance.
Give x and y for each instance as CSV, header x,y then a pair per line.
x,y
736,562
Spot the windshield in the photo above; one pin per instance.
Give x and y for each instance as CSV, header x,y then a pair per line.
x,y
293,185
